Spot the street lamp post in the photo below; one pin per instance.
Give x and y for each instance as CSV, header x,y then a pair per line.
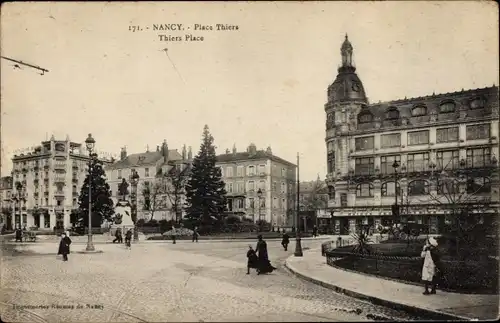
x,y
395,211
259,195
134,180
298,246
90,142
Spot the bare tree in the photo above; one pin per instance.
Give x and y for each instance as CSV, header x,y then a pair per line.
x,y
152,196
460,191
175,184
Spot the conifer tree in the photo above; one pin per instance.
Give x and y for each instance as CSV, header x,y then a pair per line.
x,y
205,190
102,204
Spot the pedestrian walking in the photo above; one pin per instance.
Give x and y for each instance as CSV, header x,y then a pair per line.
x,y
253,260
195,234
64,246
118,236
432,264
285,241
315,231
264,265
128,239
19,235
174,233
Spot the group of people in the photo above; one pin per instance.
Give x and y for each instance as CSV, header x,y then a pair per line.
x,y
119,237
259,258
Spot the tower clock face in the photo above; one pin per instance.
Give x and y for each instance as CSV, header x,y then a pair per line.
x,y
355,86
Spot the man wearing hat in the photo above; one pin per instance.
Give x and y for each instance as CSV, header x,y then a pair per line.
x,y
430,269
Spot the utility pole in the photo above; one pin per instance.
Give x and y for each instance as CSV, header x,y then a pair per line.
x,y
298,246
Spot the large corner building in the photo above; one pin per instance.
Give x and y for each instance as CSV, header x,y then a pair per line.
x,y
425,135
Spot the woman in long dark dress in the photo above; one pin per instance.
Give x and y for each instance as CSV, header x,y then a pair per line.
x,y
264,265
64,246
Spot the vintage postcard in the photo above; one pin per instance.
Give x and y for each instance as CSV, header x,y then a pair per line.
x,y
249,161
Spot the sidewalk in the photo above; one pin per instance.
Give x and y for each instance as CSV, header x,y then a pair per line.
x,y
445,306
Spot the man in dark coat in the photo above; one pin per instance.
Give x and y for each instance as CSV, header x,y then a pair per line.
x,y
19,235
264,265
64,246
195,234
128,238
315,231
118,236
285,241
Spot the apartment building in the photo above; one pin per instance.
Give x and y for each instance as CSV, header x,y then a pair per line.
x,y
47,181
5,200
149,165
259,185
452,134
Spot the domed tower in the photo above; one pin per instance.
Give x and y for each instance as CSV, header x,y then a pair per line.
x,y
346,96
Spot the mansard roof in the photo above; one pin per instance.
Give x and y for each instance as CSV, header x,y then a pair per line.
x,y
144,159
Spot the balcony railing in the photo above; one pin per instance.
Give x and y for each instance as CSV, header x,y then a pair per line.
x,y
364,170
59,193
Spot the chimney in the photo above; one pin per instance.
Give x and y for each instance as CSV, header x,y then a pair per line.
x,y
164,150
184,152
269,151
190,154
234,149
123,153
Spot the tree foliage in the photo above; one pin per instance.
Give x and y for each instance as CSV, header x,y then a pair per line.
x,y
205,192
102,204
316,197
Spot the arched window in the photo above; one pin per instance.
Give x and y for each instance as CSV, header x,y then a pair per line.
x,y
477,185
364,190
365,117
392,114
447,107
418,187
419,111
389,189
477,103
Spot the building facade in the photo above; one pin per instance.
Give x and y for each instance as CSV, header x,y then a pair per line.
x,y
46,183
150,166
259,185
313,197
433,140
5,200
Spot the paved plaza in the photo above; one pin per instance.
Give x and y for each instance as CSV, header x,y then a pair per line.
x,y
165,282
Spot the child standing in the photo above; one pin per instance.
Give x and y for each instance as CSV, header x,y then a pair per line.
x,y
252,259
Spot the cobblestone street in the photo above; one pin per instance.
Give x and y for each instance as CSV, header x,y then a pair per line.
x,y
166,282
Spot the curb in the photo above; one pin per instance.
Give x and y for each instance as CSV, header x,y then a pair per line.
x,y
428,313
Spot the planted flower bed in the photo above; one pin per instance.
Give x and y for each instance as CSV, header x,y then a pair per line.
x,y
403,262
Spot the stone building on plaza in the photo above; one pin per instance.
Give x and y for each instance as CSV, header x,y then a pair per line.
x,y
149,166
433,139
5,200
259,185
46,182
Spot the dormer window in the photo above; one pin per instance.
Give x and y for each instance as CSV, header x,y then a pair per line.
x,y
477,103
365,117
419,111
392,114
447,107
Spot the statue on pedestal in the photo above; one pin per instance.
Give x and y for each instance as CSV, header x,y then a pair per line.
x,y
123,211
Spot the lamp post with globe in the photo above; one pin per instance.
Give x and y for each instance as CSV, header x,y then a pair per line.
x,y
90,143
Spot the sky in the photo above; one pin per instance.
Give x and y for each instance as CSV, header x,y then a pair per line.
x,y
264,83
